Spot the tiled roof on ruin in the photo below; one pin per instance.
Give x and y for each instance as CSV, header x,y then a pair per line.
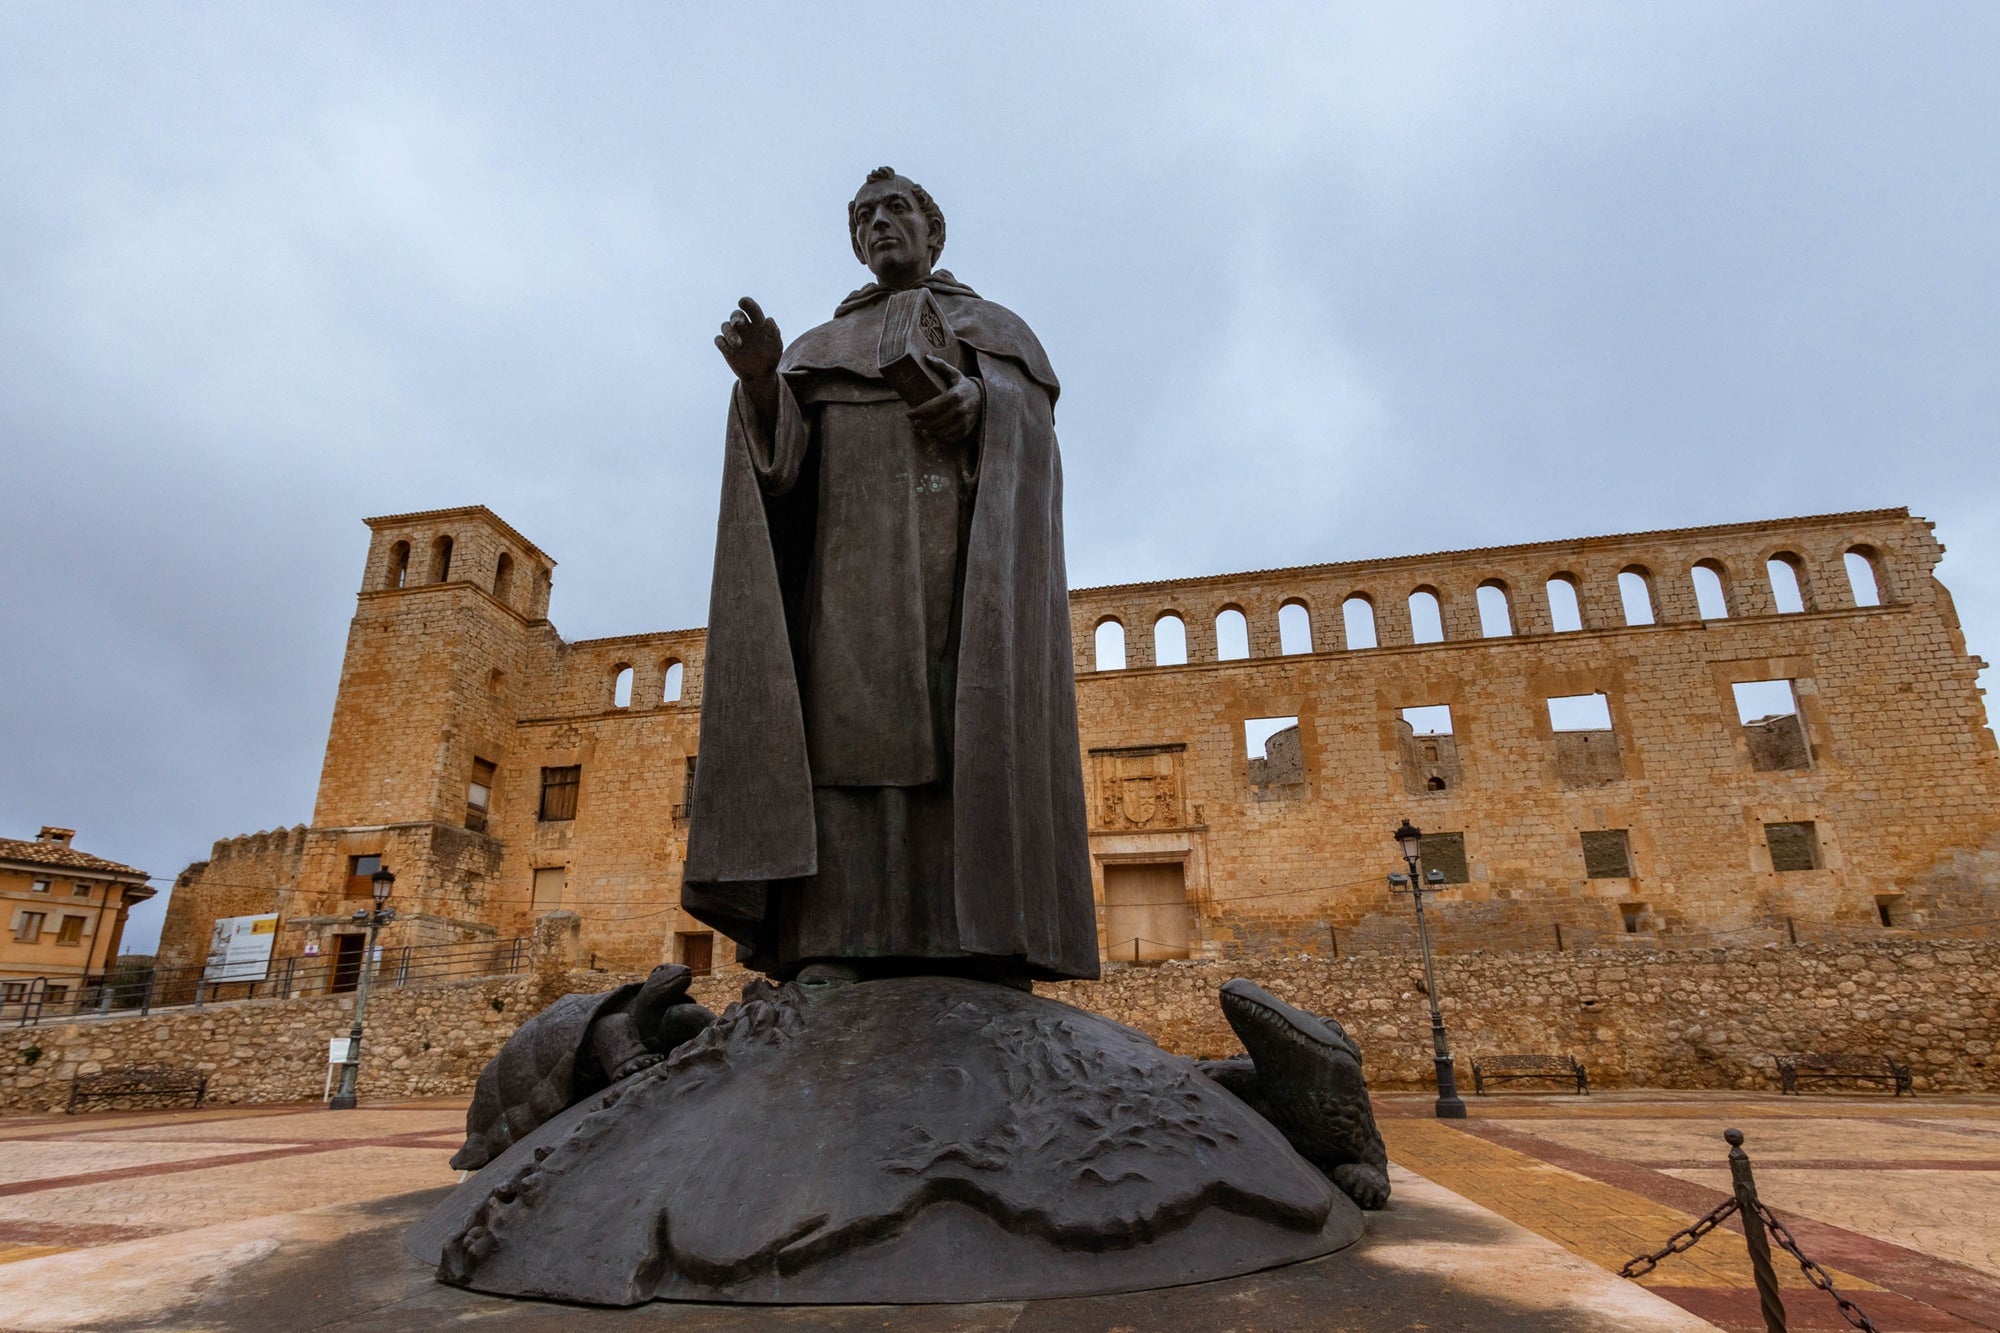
x,y
461,511
1555,544
36,852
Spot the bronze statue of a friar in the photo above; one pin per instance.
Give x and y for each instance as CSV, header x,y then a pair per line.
x,y
889,779
888,818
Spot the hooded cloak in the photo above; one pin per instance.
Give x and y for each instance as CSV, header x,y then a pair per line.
x,y
984,768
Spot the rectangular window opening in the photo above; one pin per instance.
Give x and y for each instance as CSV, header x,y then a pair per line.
x,y
71,930
361,877
1446,852
1429,748
559,786
1632,915
1607,853
1768,711
29,931
1428,719
479,794
39,886
1272,747
79,891
1794,846
1580,712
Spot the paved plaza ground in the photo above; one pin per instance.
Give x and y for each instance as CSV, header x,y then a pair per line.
x,y
283,1218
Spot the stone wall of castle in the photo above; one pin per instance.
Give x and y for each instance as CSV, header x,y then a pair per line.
x,y
1635,1018
1199,847
244,876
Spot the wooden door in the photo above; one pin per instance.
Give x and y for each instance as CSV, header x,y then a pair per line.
x,y
698,952
346,973
1146,916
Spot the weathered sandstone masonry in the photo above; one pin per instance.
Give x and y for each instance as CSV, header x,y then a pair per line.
x,y
1240,805
1682,1019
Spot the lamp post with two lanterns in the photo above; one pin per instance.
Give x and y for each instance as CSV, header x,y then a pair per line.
x,y
382,883
1449,1105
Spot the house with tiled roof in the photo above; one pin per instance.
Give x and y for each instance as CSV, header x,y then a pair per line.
x,y
65,913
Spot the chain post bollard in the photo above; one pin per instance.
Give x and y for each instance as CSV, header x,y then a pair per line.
x,y
1753,1233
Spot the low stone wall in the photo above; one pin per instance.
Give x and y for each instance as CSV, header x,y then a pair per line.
x,y
1681,1019
425,1041
1685,1019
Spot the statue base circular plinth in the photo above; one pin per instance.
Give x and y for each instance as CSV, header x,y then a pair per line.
x,y
915,1140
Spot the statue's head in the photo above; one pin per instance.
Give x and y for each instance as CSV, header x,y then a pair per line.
x,y
896,227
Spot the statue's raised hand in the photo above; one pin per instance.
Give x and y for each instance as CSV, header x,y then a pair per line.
x,y
750,343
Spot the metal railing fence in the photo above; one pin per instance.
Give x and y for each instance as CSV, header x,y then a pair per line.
x,y
24,1002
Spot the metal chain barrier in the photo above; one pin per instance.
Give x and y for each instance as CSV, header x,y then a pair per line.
x,y
1814,1273
1680,1242
1760,1227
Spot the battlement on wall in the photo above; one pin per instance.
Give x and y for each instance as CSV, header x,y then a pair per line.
x,y
265,842
1761,568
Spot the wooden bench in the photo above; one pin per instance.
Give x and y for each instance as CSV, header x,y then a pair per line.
x,y
136,1081
1823,1068
1513,1068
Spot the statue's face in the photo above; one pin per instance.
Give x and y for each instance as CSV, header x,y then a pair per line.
x,y
892,233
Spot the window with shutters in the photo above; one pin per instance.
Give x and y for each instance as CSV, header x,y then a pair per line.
x,y
1607,854
71,930
550,882
361,877
29,929
686,806
1794,846
479,795
559,787
1446,852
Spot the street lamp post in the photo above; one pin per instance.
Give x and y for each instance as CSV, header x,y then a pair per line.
x,y
1449,1105
383,882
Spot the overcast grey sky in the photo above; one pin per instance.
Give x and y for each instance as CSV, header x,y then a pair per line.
x,y
1321,283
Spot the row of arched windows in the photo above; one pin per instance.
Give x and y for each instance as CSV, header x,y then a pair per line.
x,y
399,574
672,677
399,563
1784,572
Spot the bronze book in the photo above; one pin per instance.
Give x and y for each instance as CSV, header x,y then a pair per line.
x,y
913,328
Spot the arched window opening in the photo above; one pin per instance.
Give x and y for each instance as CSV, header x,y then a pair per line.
x,y
503,576
441,559
399,565
1710,597
670,686
1295,628
1635,590
1232,635
1357,617
621,688
1565,607
1426,620
1783,571
1170,640
1861,580
1496,618
1434,783
1110,646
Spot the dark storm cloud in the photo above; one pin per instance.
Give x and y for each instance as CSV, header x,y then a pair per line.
x,y
1321,283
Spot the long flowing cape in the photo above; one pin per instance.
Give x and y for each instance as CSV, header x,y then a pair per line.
x,y
1022,873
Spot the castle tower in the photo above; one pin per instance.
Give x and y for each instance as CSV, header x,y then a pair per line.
x,y
450,627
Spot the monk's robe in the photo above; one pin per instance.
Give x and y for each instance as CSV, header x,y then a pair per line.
x,y
888,767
